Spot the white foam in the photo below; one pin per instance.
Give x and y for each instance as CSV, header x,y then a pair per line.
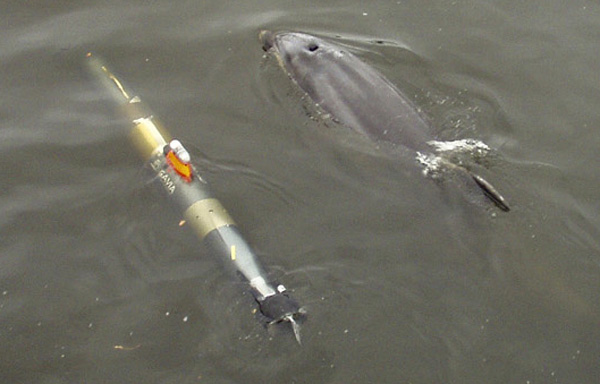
x,y
460,146
432,164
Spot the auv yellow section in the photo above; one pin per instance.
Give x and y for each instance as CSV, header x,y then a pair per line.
x,y
207,215
148,136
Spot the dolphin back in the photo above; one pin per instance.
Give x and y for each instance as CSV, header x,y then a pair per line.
x,y
354,93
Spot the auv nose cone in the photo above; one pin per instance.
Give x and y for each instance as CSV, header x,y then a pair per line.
x,y
266,38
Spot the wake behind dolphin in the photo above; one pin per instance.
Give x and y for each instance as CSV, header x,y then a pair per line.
x,y
358,96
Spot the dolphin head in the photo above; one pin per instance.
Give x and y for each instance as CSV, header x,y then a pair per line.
x,y
291,44
299,54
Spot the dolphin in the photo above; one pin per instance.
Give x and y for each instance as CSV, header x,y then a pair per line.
x,y
358,96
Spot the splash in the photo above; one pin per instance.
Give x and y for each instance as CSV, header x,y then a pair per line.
x,y
451,154
471,146
433,165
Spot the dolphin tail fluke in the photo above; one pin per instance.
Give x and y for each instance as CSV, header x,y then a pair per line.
x,y
490,191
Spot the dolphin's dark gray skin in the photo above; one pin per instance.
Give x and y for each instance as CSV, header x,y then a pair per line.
x,y
357,95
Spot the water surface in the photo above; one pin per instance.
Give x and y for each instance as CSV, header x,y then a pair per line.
x,y
404,281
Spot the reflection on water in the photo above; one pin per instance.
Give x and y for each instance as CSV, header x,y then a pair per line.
x,y
403,281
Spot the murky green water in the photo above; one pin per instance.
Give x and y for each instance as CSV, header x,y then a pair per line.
x,y
404,282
